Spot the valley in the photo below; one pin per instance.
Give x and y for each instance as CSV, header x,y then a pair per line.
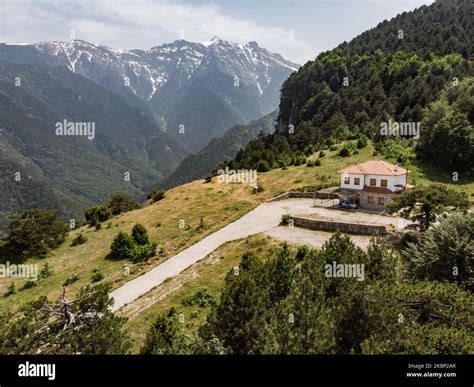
x,y
116,97
212,197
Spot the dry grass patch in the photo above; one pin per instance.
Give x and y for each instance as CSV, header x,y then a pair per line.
x,y
208,273
216,205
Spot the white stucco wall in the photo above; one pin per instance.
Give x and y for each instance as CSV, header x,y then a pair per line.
x,y
392,181
400,180
352,177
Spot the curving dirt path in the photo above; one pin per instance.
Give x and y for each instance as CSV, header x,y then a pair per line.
x,y
263,218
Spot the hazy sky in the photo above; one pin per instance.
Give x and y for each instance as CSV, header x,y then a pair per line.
x,y
297,29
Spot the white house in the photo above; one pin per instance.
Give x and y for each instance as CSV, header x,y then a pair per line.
x,y
373,183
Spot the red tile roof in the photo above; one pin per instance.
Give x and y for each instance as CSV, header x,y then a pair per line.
x,y
375,167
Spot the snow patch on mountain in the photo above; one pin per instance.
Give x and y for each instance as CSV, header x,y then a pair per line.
x,y
146,71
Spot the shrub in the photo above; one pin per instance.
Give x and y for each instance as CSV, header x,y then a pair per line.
x,y
156,195
362,142
139,234
299,160
344,152
285,220
402,159
97,275
310,163
136,247
202,223
333,148
46,271
407,238
208,179
11,290
120,203
98,226
31,283
33,233
141,253
308,150
202,298
322,154
317,163
97,214
303,251
70,280
329,142
163,336
79,240
263,166
444,252
122,246
158,224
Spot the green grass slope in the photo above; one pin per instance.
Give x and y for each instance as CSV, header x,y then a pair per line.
x,y
217,204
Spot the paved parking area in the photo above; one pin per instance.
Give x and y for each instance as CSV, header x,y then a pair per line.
x,y
265,217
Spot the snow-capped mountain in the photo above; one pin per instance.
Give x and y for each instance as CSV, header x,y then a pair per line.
x,y
143,71
198,89
146,71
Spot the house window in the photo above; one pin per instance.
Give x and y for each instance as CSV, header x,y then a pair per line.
x,y
381,200
347,180
370,199
356,181
383,183
373,182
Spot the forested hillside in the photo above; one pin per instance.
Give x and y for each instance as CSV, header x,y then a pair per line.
x,y
443,27
389,73
223,148
43,170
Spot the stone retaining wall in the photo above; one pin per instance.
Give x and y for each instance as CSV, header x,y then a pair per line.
x,y
304,195
285,195
311,195
325,225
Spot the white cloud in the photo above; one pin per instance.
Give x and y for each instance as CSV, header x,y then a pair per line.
x,y
139,24
318,24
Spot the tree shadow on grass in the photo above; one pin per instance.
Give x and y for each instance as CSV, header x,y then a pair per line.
x,y
436,174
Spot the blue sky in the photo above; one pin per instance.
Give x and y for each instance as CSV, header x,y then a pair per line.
x,y
297,29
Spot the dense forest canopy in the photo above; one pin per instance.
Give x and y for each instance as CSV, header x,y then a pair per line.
x,y
443,27
390,73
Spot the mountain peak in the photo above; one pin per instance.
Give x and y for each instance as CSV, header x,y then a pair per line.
x,y
252,44
149,70
214,40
